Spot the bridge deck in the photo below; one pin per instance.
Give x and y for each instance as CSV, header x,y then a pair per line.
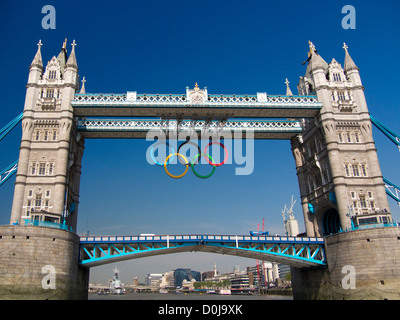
x,y
295,251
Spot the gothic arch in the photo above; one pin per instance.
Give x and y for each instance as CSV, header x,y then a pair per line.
x,y
330,222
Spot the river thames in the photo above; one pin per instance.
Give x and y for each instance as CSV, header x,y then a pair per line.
x,y
186,297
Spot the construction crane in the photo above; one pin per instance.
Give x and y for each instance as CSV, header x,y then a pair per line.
x,y
290,210
258,232
291,224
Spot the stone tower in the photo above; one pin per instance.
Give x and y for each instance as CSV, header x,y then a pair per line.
x,y
336,160
41,262
47,181
341,186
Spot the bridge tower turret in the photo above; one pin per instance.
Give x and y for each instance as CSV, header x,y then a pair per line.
x,y
336,159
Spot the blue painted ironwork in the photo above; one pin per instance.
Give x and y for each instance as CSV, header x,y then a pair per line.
x,y
369,226
392,190
260,128
206,105
9,126
296,251
96,99
393,136
49,224
8,172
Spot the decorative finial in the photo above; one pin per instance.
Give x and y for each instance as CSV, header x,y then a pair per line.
x,y
64,44
345,47
73,44
39,44
196,87
83,90
312,47
288,91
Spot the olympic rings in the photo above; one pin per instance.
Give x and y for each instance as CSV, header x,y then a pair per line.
x,y
194,171
209,159
152,152
225,149
166,162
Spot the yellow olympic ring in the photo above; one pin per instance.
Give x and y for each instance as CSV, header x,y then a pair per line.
x,y
186,164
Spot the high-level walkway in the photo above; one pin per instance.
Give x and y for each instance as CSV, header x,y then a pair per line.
x,y
107,115
206,105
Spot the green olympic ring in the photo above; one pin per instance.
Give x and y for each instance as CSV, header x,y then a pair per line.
x,y
194,171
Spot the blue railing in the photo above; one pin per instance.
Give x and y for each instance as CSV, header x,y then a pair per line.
x,y
369,226
49,224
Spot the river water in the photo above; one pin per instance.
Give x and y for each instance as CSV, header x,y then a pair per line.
x,y
186,297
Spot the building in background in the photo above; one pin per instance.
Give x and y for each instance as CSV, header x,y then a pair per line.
x,y
181,274
168,279
153,279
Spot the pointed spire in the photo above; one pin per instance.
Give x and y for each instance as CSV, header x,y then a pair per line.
x,y
71,62
314,60
288,91
37,60
62,57
83,90
348,61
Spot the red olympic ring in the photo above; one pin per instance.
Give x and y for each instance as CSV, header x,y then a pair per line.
x,y
225,151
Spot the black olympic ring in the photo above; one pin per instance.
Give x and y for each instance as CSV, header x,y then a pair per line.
x,y
193,144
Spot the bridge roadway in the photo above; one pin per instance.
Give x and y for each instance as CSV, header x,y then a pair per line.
x,y
301,252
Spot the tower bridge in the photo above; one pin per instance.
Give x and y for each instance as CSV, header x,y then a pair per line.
x,y
330,131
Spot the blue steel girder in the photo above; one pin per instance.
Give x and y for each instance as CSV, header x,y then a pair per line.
x,y
392,190
301,252
8,172
393,136
9,126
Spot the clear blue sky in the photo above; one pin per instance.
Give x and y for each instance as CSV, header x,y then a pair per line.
x,y
162,47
